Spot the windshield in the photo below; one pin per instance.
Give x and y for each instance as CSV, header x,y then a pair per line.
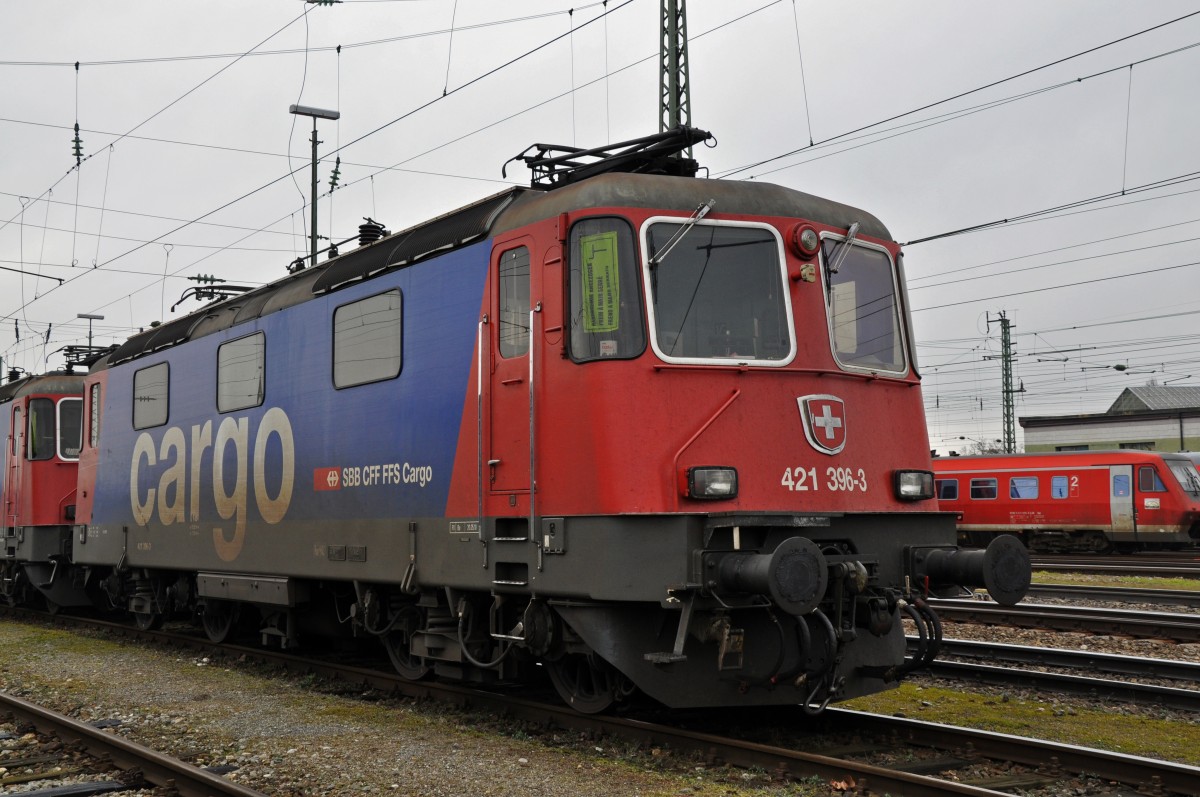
x,y
70,427
1188,476
864,319
719,294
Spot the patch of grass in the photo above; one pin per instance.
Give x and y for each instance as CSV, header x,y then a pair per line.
x,y
1106,729
1103,580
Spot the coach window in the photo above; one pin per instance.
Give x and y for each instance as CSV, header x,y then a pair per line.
x,y
984,488
1120,485
1023,487
1148,481
94,416
151,396
514,302
368,340
606,301
864,319
240,370
70,428
39,437
1058,486
947,489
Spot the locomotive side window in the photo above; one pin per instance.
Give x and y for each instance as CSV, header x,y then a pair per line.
x,y
514,302
151,396
864,319
368,340
984,488
70,428
1148,481
606,304
240,373
1058,486
39,437
947,489
718,292
94,416
1023,487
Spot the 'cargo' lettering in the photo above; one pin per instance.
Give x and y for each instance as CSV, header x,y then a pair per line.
x,y
179,482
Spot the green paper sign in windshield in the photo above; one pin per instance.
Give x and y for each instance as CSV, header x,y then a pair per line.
x,y
601,284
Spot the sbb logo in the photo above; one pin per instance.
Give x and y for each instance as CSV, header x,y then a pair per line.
x,y
183,463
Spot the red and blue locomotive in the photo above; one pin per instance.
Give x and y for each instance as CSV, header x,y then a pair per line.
x,y
651,432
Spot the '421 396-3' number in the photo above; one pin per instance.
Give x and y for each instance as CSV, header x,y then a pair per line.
x,y
837,479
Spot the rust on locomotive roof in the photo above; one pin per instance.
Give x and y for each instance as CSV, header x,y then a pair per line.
x,y
493,215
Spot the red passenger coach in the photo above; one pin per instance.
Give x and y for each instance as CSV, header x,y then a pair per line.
x,y
40,427
1072,501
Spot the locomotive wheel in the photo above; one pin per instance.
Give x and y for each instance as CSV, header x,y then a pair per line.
x,y
219,619
148,621
586,682
398,641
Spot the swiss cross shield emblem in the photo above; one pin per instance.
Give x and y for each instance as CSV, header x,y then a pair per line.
x,y
824,422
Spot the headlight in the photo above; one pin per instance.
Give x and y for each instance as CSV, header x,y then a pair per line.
x,y
712,482
914,485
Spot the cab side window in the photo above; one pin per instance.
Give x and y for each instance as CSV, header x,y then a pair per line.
x,y
39,436
1148,481
514,302
606,319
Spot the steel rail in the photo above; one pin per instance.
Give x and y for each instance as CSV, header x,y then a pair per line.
x,y
1142,625
1158,597
1065,683
1146,773
1118,664
156,768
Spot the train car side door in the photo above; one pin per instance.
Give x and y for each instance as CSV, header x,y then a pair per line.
x,y
1121,501
510,408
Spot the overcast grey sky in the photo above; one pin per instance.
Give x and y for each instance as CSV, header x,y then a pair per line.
x,y
188,146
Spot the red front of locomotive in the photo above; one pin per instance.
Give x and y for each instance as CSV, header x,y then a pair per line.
x,y
706,417
730,363
41,425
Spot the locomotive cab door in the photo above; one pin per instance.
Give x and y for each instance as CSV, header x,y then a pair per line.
x,y
1124,523
510,406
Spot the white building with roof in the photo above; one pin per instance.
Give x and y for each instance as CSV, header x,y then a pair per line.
x,y
1151,417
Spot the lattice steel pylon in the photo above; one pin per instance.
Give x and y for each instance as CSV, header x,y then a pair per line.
x,y
1006,383
674,90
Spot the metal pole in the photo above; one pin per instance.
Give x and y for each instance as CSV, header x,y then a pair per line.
x,y
313,232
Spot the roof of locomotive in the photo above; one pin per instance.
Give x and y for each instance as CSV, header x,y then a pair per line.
x,y
499,213
55,383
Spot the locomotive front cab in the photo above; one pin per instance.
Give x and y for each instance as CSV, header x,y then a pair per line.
x,y
740,380
42,423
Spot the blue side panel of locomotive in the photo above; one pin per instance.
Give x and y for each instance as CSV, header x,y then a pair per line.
x,y
394,439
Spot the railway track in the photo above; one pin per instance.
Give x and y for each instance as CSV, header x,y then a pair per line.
x,y
1097,620
86,752
1157,597
982,773
1179,565
982,669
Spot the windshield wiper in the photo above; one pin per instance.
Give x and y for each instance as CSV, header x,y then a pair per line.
x,y
700,212
843,249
